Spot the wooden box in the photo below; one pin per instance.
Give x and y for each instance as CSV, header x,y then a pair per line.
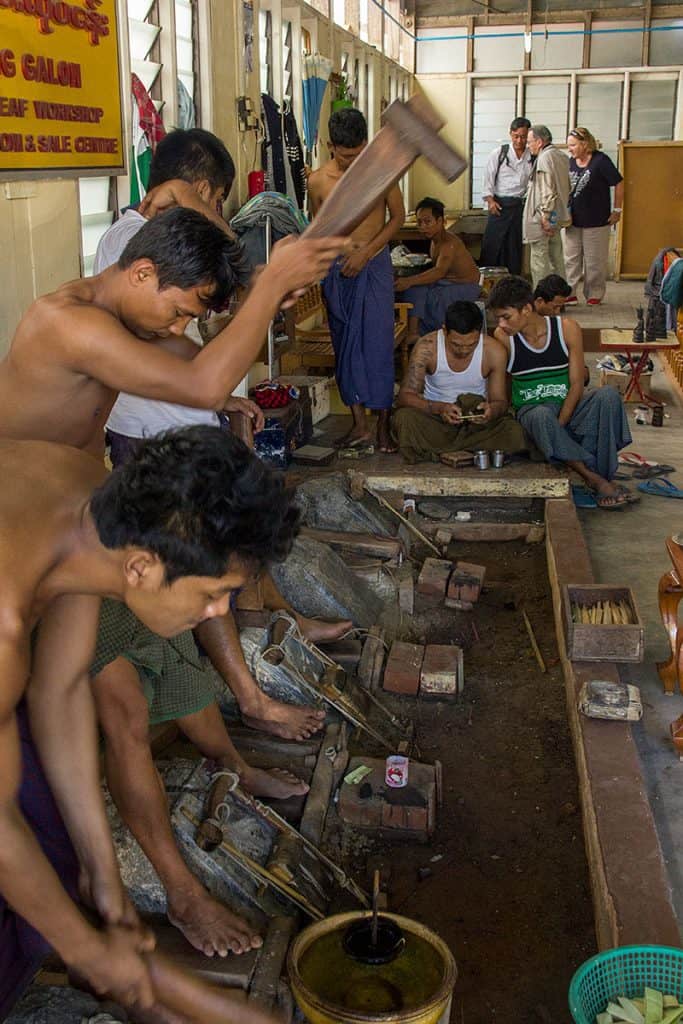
x,y
600,642
621,381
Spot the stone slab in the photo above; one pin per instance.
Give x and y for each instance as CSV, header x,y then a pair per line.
x,y
519,480
443,672
402,672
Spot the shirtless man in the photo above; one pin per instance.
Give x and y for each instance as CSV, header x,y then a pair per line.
x,y
453,276
77,347
358,290
454,396
171,535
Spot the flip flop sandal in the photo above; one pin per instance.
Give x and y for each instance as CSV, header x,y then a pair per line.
x,y
661,487
635,460
631,498
648,472
610,502
582,497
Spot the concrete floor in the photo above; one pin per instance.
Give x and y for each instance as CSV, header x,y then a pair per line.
x,y
627,547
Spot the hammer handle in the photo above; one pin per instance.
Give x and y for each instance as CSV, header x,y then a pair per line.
x,y
190,997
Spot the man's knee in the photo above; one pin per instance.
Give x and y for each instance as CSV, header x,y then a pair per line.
x,y
122,708
607,398
403,419
537,416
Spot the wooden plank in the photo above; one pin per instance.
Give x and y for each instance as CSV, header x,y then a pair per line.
x,y
362,543
332,761
520,480
270,965
630,887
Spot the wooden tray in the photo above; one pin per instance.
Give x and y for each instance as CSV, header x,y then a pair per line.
x,y
601,642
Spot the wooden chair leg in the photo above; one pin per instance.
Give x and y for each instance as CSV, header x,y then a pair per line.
x,y
670,594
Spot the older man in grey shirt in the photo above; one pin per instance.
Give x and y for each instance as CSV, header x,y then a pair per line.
x,y
546,206
505,182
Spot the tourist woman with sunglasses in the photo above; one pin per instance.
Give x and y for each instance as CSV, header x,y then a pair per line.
x,y
586,243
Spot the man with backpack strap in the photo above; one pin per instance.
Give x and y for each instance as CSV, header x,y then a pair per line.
x,y
505,183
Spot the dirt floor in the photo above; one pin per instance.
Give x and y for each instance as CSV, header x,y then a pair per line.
x,y
507,883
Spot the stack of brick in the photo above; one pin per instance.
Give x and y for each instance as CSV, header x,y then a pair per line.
x,y
464,585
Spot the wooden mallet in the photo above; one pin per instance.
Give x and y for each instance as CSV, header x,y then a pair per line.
x,y
410,130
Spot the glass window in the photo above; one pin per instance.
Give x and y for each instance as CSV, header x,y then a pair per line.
x,y
287,61
546,101
616,44
494,105
666,41
598,108
266,52
652,109
441,55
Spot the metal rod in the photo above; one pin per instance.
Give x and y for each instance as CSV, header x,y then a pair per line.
x,y
411,526
271,335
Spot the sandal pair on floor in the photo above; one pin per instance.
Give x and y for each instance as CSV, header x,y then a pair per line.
x,y
662,487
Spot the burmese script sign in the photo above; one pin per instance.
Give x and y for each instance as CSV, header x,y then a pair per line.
x,y
60,94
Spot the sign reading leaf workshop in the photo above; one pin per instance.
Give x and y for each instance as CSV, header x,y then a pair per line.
x,y
60,94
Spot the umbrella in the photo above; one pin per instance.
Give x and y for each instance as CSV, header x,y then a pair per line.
x,y
316,73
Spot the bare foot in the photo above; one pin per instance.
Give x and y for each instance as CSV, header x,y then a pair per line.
x,y
208,925
385,442
318,631
355,436
609,495
276,783
290,721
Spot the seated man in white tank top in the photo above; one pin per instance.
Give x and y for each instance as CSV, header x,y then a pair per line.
x,y
454,395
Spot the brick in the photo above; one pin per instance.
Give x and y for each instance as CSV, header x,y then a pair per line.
x,y
442,539
406,817
466,582
402,673
434,578
442,671
406,595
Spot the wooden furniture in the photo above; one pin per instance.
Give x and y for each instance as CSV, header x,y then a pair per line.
x,y
670,594
637,354
653,204
312,346
598,641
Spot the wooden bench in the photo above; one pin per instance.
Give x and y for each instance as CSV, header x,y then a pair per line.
x,y
312,346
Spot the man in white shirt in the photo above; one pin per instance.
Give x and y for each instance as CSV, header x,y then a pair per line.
x,y
505,183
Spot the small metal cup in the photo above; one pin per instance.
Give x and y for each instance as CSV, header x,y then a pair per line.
x,y
498,459
482,460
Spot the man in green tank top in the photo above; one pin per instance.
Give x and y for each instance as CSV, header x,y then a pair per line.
x,y
581,428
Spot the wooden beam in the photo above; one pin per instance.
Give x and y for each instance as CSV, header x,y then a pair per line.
x,y
460,18
470,44
647,21
630,887
587,25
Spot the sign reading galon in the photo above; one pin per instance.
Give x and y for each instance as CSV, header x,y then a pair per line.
x,y
60,97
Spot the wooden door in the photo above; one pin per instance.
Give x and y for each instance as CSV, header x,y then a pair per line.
x,y
653,204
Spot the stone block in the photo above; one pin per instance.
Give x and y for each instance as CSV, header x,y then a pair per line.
x,y
406,595
465,584
402,673
442,671
433,578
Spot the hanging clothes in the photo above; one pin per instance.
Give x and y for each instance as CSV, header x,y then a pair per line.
x,y
186,107
295,155
249,223
147,130
273,152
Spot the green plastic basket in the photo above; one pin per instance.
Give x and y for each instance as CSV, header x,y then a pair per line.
x,y
624,971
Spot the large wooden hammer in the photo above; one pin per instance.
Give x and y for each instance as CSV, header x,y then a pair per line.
x,y
410,130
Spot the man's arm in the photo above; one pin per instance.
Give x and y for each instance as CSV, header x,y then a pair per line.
x,y
355,261
494,368
574,341
411,394
180,193
110,960
435,273
490,182
96,344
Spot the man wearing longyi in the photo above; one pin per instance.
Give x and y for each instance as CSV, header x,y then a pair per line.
x,y
172,535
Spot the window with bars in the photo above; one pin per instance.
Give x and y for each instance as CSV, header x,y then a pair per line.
x,y
97,196
287,81
266,51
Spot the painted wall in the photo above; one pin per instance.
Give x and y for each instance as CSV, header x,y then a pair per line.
x,y
449,95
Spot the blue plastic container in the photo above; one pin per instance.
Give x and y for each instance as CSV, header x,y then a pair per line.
x,y
624,971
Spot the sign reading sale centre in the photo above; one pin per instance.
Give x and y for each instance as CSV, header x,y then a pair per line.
x,y
60,95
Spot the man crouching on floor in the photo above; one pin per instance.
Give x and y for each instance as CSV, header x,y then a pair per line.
x,y
172,534
454,396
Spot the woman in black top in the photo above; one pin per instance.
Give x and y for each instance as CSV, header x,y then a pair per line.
x,y
586,242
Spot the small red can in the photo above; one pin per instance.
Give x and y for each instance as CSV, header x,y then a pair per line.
x,y
396,771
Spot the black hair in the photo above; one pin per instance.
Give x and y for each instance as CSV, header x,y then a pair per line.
x,y
550,287
464,317
510,291
195,497
193,155
435,205
348,128
520,122
187,250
